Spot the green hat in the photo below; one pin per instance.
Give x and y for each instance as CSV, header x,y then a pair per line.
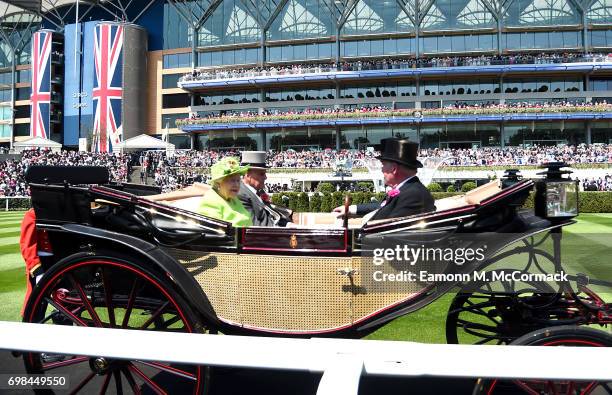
x,y
226,167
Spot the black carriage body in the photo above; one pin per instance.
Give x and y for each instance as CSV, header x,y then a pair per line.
x,y
295,282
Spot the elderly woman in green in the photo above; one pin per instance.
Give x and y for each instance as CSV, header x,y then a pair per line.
x,y
220,201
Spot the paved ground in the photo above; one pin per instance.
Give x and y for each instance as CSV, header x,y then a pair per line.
x,y
241,381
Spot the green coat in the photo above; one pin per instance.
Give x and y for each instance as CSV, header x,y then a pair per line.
x,y
214,206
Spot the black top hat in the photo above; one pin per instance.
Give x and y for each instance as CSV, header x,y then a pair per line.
x,y
401,151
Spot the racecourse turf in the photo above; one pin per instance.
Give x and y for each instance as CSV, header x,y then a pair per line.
x,y
588,242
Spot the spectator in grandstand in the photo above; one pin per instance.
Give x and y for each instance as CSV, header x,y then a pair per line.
x,y
598,184
389,63
253,196
221,201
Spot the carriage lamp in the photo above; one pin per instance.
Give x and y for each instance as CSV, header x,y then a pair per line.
x,y
556,196
511,177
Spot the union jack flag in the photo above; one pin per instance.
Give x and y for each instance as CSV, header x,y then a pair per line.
x,y
107,91
40,96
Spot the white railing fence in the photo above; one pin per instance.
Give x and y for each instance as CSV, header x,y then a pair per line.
x,y
6,205
341,361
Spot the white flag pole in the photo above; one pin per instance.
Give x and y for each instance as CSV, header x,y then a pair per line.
x,y
76,36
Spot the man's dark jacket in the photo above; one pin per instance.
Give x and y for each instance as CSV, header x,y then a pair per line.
x,y
262,214
414,198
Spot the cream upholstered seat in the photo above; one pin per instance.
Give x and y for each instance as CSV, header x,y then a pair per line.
x,y
475,196
188,198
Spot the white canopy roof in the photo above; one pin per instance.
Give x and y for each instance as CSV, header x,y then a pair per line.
x,y
37,142
143,141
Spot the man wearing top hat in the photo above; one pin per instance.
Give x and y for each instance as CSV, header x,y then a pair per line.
x,y
407,195
253,196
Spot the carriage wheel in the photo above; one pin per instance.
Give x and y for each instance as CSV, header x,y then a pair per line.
x,y
112,293
568,336
498,313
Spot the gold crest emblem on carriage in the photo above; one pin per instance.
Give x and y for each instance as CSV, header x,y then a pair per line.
x,y
293,241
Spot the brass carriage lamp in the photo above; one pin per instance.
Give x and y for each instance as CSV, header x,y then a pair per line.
x,y
556,196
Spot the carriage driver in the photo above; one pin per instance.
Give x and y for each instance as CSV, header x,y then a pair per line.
x,y
253,196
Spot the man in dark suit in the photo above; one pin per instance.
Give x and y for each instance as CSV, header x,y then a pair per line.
x,y
253,196
407,195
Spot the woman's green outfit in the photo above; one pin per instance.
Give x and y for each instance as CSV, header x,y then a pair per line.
x,y
214,205
232,210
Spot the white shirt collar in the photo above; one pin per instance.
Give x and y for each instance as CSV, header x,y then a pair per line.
x,y
401,184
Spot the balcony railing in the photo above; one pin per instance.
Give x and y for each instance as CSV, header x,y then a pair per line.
x,y
332,115
395,64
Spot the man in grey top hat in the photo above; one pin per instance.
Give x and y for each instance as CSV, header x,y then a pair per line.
x,y
253,196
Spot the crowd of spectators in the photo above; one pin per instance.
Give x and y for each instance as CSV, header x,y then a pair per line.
x,y
185,167
372,110
12,172
598,184
520,156
392,63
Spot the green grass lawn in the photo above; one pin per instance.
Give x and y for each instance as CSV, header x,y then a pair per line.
x,y
587,244
12,271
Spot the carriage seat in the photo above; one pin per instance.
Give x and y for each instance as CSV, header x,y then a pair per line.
x,y
196,190
475,196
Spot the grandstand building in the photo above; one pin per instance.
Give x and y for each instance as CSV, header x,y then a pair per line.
x,y
171,60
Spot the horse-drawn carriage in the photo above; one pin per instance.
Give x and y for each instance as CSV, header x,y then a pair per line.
x,y
113,259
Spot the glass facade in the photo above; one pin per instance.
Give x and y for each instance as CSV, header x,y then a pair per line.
x,y
458,43
230,23
600,84
453,87
229,57
229,140
601,38
379,90
301,52
5,114
453,14
528,85
360,138
541,13
227,98
170,80
390,46
276,95
177,60
175,100
542,40
301,19
300,139
601,132
544,133
5,95
5,131
169,120
462,135
375,28
372,16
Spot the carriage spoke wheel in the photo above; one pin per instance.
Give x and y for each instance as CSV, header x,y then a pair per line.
x,y
562,336
498,313
111,293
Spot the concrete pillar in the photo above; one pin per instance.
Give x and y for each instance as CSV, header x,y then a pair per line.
x,y
13,81
337,137
588,136
264,146
502,136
